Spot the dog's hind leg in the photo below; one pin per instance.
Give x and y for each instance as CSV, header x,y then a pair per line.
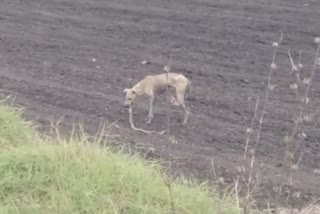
x,y
151,104
181,99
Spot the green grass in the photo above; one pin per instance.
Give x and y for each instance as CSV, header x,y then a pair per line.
x,y
14,130
68,176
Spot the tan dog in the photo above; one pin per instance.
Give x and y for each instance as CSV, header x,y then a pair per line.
x,y
152,85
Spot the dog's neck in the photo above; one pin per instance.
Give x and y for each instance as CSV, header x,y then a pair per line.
x,y
138,88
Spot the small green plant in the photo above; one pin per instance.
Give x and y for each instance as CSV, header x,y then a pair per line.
x,y
13,130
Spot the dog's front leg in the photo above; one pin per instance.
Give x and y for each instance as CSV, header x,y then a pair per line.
x,y
150,116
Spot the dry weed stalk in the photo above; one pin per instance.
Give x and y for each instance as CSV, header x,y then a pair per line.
x,y
273,67
249,130
292,147
312,208
171,139
11,98
54,127
296,70
167,69
236,188
168,183
249,179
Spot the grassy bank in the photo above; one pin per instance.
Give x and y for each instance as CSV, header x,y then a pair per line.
x,y
45,175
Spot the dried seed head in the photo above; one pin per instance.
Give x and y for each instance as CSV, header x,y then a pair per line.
x,y
295,167
300,66
316,171
289,154
94,60
249,130
152,150
173,140
297,194
275,44
317,40
302,135
275,189
273,66
293,86
241,169
271,87
287,139
167,68
306,81
221,180
307,118
294,68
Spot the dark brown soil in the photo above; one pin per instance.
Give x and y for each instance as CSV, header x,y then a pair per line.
x,y
47,49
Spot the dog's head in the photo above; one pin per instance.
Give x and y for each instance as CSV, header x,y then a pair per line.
x,y
130,97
